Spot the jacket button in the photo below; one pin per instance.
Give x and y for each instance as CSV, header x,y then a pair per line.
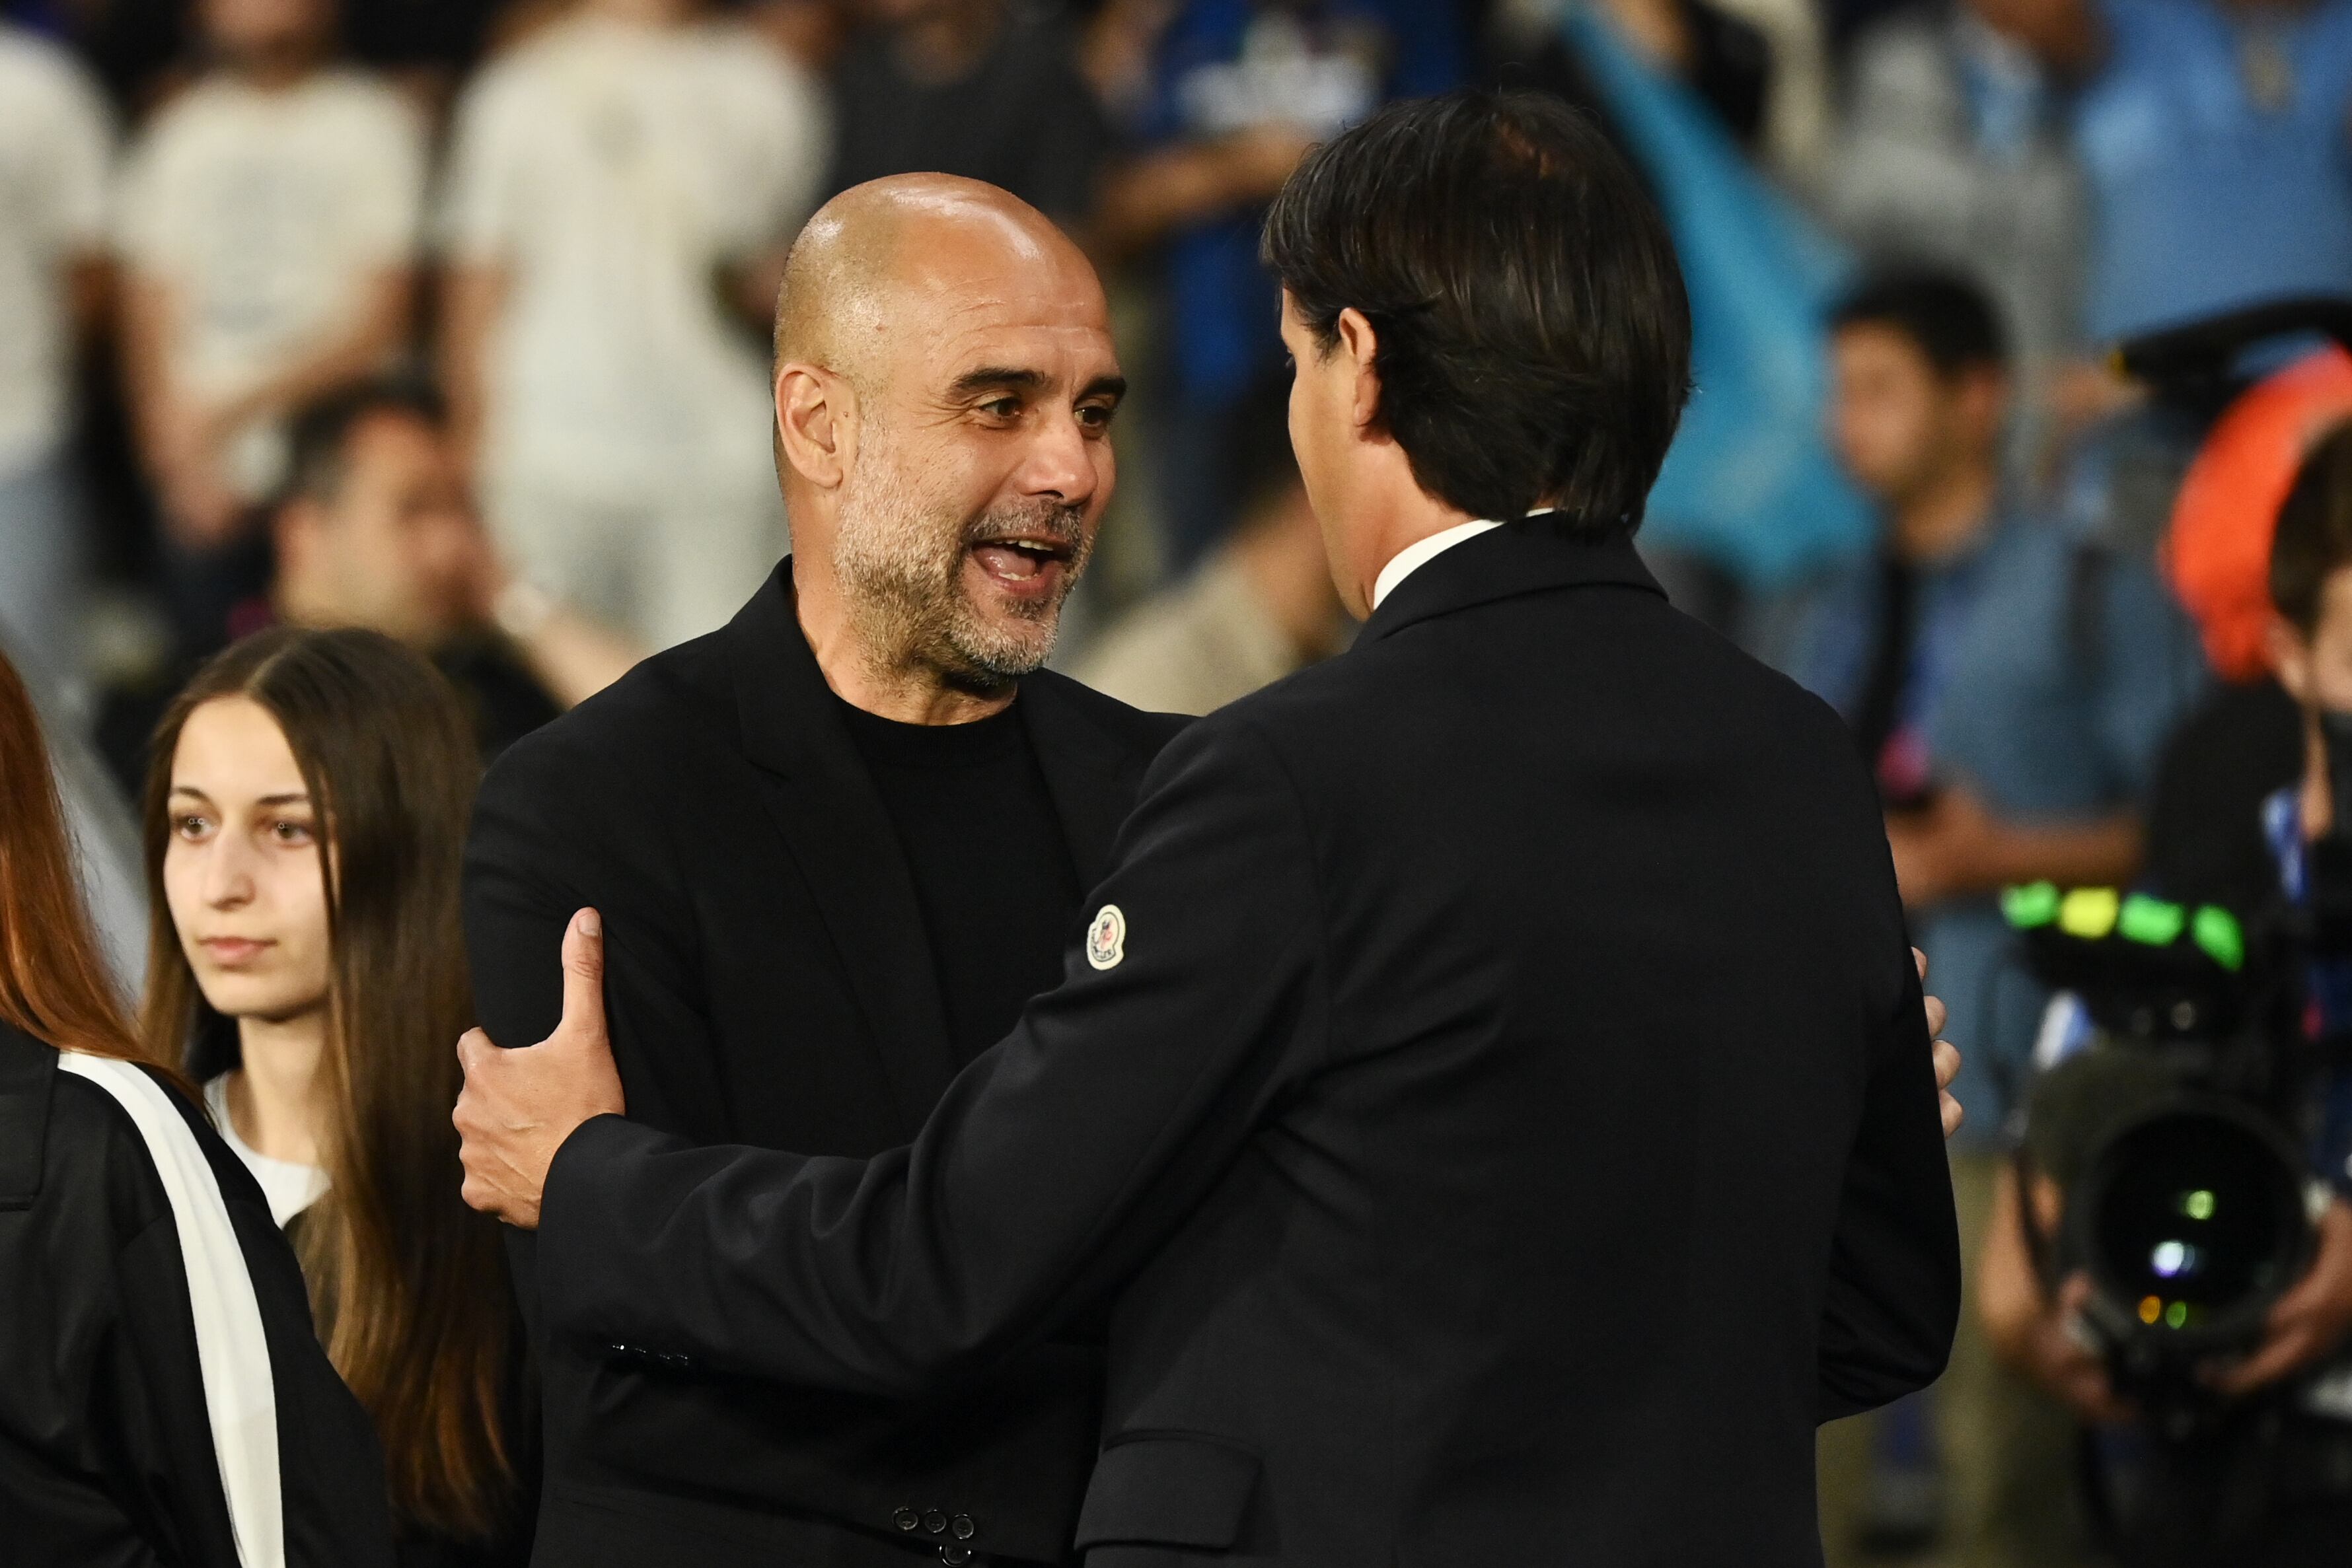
x,y
936,1522
905,1518
964,1527
955,1556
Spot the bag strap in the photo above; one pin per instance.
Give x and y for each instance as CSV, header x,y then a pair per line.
x,y
232,1351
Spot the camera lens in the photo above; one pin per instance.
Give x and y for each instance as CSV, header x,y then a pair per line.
x,y
2197,1218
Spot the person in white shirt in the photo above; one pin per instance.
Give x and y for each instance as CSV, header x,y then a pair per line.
x,y
622,190
267,229
56,147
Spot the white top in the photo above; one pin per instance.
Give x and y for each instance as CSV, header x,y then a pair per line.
x,y
57,146
232,1350
613,170
1420,552
266,214
290,1187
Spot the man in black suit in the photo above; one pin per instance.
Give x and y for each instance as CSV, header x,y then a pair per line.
x,y
833,812
1491,1088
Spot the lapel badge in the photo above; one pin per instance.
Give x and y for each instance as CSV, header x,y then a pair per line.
x,y
1106,938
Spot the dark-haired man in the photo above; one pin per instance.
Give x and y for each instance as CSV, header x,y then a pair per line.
x,y
2008,682
1489,1083
374,528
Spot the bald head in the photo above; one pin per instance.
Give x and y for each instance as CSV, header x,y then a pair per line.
x,y
945,380
883,259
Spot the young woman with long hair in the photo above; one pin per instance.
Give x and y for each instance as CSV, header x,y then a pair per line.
x,y
162,1398
304,817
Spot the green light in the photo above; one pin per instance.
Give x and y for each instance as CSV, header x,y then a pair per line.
x,y
2151,921
2177,1315
2032,905
2089,912
2198,1205
2216,930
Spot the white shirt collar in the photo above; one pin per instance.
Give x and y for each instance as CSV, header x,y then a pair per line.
x,y
1420,552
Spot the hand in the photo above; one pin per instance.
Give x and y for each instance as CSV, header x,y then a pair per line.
x,y
1940,851
2058,1353
2311,1320
518,1106
1946,1055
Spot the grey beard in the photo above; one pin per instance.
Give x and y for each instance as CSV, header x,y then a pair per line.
x,y
901,567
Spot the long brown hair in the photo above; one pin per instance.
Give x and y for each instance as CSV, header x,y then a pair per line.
x,y
54,986
408,1284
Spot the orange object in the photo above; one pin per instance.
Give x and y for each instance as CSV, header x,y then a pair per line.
x,y
2217,553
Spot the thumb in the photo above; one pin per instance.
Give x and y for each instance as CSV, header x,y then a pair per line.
x,y
583,979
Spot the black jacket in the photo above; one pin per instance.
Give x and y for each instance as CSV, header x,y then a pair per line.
x,y
105,1451
1502,1105
767,981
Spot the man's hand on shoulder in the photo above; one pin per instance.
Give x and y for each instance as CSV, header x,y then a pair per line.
x,y
1945,1054
517,1106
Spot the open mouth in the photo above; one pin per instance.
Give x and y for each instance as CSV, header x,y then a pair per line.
x,y
1024,563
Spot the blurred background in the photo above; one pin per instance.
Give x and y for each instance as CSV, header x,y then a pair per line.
x,y
448,318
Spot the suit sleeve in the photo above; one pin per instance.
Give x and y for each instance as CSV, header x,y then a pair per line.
x,y
1055,1164
1894,1293
537,852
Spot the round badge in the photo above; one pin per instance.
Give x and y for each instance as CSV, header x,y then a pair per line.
x,y
1106,938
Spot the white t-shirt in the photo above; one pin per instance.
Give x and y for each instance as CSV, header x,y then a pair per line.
x,y
56,147
268,213
613,169
289,1187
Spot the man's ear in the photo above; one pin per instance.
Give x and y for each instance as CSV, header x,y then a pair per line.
x,y
816,422
2290,657
1362,347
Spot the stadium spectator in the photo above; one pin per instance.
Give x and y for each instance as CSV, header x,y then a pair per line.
x,y
1240,88
2008,684
375,530
267,230
1257,607
2010,687
1954,152
2214,135
55,146
316,1009
623,185
984,89
162,1398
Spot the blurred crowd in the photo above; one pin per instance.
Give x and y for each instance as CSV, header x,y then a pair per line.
x,y
448,319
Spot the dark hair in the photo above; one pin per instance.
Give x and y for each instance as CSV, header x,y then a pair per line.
x,y
1534,335
2313,540
1947,316
319,439
408,1285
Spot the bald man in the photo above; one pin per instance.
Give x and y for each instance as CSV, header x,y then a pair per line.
x,y
862,817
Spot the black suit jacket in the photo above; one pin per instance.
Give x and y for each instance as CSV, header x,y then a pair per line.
x,y
106,1444
1508,1119
768,982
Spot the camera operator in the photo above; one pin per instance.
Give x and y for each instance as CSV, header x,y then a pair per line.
x,y
2044,1330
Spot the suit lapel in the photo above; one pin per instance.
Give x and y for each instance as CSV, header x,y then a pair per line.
x,y
824,804
1091,778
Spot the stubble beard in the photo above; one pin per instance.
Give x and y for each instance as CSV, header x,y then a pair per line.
x,y
900,557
